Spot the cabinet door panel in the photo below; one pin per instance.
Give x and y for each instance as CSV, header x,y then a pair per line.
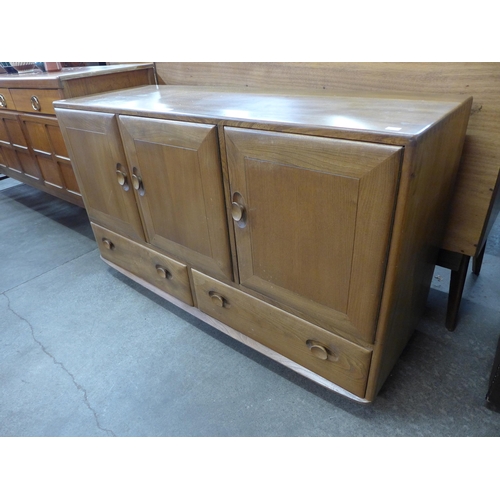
x,y
15,148
180,193
44,137
95,149
316,225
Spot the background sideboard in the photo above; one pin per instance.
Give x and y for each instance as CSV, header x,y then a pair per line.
x,y
32,149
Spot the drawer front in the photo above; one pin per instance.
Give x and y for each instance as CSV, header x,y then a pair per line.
x,y
332,357
6,101
36,100
157,269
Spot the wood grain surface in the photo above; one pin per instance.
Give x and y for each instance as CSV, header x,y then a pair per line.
x,y
477,183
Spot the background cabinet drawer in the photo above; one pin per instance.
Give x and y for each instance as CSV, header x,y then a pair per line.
x,y
334,358
36,100
157,269
6,101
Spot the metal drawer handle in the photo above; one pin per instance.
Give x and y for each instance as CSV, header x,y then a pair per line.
x,y
3,102
35,103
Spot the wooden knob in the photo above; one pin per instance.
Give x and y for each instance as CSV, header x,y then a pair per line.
x,y
318,351
237,211
121,177
217,299
136,182
164,273
108,244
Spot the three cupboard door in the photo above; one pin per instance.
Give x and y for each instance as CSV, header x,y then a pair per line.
x,y
95,148
312,221
177,176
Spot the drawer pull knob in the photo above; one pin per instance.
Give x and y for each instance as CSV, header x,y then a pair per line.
x,y
317,350
108,244
35,103
3,101
163,273
237,211
137,182
218,300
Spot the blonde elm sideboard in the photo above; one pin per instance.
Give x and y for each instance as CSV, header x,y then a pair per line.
x,y
305,225
32,149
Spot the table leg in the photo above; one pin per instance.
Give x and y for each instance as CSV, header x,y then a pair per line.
x,y
457,283
477,261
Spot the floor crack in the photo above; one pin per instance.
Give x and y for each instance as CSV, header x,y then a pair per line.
x,y
59,363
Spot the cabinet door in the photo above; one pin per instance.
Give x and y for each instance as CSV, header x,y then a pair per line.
x,y
45,139
312,221
14,152
178,179
100,165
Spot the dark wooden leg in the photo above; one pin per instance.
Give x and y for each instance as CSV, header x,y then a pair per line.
x,y
493,395
477,261
457,283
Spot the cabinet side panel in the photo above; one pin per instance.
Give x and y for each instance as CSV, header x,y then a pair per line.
x,y
428,178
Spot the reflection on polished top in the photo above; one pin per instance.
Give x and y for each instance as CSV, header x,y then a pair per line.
x,y
54,79
384,115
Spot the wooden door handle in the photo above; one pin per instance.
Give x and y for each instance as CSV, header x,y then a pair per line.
x,y
137,182
237,211
121,178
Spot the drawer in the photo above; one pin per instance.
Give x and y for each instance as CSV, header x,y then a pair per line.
x,y
160,271
324,353
6,101
36,100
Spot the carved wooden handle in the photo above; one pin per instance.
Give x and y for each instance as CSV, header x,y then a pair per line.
x,y
320,351
218,299
163,272
108,244
237,211
137,182
121,177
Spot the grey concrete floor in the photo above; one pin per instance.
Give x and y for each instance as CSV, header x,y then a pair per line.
x,y
86,352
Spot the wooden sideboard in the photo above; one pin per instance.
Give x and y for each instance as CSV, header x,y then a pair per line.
x,y
305,225
475,203
32,149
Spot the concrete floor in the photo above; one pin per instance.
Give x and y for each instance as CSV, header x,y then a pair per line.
x,y
86,352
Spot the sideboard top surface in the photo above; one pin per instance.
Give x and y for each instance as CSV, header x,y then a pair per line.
x,y
55,79
395,116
